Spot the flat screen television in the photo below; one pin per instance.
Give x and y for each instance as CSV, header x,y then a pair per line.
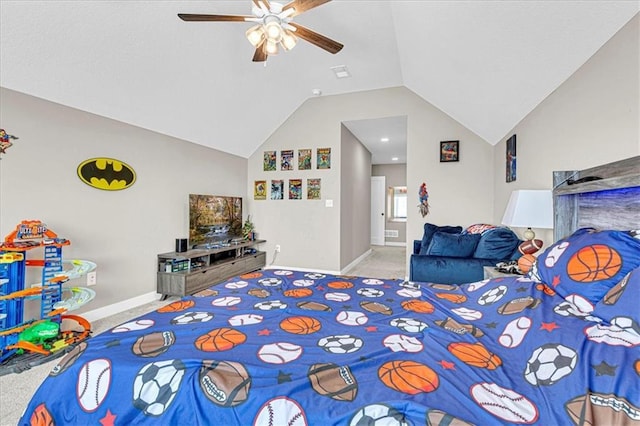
x,y
214,219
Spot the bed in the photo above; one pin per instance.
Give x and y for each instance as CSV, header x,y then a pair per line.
x,y
560,345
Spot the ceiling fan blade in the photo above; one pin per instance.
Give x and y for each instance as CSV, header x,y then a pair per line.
x,y
319,40
265,2
303,5
195,17
261,53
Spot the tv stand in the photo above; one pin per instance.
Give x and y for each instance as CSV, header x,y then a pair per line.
x,y
180,274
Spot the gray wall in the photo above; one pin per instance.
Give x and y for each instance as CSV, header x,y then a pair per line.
x,y
355,198
396,175
592,118
122,231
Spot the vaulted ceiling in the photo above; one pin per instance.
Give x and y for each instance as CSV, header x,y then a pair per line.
x,y
485,63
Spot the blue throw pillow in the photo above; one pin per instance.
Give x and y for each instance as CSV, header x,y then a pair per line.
x,y
430,229
453,245
588,263
498,243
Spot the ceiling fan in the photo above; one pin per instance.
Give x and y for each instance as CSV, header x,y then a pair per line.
x,y
274,26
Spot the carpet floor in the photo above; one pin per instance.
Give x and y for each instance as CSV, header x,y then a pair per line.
x,y
387,262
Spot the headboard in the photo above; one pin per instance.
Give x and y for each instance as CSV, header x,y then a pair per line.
x,y
612,202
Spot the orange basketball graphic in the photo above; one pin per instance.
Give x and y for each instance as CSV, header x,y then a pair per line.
x,y
251,275
177,306
420,306
451,297
545,289
525,263
475,354
340,284
41,416
298,292
594,263
408,377
300,325
636,366
220,339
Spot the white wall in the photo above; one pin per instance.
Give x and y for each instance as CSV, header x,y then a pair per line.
x,y
122,231
310,234
592,118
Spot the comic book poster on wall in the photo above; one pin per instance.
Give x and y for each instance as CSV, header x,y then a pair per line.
x,y
304,159
313,189
260,190
286,159
295,189
269,161
277,189
324,158
511,159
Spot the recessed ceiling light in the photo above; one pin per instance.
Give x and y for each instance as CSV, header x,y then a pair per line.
x,y
394,158
341,71
384,139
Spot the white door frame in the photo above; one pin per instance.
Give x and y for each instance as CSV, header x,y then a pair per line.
x,y
378,190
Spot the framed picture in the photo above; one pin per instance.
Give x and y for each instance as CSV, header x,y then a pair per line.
x,y
286,160
277,189
313,189
304,159
269,162
324,158
449,151
260,190
295,189
511,159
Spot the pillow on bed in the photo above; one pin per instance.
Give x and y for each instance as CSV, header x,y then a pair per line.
x,y
478,228
497,243
621,300
453,245
588,262
430,229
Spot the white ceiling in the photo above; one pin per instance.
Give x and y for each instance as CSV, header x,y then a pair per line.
x,y
485,63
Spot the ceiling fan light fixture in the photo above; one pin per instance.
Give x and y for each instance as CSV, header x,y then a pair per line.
x,y
255,35
288,40
271,47
274,30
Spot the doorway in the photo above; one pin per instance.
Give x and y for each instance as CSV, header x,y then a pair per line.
x,y
378,190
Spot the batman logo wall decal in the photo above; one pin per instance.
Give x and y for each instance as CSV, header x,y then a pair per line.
x,y
106,173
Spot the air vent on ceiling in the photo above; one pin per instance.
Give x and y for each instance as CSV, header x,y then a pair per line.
x,y
341,71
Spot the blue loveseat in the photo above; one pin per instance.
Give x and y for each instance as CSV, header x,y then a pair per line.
x,y
451,255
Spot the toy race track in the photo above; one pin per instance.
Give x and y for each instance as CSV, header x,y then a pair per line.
x,y
25,343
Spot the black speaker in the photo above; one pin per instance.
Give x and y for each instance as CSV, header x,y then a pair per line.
x,y
181,245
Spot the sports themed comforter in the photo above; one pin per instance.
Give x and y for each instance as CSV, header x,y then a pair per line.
x,y
281,347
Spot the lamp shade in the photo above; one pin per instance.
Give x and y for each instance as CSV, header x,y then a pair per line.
x,y
529,209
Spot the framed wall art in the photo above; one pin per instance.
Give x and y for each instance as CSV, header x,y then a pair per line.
x,y
313,189
269,162
449,151
511,159
304,159
295,189
260,190
286,159
277,189
324,158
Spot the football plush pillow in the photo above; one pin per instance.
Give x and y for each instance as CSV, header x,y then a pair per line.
x,y
589,262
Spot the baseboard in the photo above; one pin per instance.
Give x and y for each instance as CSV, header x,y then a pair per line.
x,y
116,308
290,268
323,271
395,244
356,261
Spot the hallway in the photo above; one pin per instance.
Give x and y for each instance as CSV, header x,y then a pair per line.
x,y
383,262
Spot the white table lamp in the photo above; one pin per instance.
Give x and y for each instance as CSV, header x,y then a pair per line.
x,y
529,208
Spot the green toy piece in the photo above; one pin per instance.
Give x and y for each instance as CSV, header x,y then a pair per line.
x,y
40,332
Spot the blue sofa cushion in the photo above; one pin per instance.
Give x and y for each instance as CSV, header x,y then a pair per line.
x,y
498,243
453,245
430,229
